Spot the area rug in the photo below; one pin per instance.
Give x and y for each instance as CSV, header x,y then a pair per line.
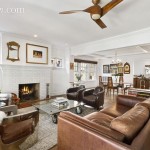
x,y
47,132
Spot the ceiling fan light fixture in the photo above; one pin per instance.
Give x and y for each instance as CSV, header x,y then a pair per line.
x,y
96,16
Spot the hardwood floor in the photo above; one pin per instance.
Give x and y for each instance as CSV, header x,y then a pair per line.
x,y
109,100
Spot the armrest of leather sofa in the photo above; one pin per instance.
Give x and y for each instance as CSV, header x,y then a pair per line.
x,y
128,100
77,133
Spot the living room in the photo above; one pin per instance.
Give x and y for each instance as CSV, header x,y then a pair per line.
x,y
45,50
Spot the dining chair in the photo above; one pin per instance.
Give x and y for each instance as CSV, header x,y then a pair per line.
x,y
111,86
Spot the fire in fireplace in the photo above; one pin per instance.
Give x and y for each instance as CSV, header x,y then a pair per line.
x,y
29,91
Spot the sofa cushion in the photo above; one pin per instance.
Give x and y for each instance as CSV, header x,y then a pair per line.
x,y
100,118
131,122
115,110
145,103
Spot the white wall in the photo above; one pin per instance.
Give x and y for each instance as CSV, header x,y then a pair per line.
x,y
60,76
140,66
19,72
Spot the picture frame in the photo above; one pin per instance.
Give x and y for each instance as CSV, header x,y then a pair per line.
x,y
113,68
59,63
106,69
71,66
53,62
120,69
36,54
126,68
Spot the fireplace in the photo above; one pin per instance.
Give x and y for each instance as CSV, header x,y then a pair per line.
x,y
29,91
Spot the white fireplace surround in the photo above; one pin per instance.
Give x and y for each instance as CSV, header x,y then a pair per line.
x,y
15,75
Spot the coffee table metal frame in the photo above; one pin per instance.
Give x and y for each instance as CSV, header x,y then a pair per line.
x,y
47,107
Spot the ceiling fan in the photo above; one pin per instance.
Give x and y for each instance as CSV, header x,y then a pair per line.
x,y
96,11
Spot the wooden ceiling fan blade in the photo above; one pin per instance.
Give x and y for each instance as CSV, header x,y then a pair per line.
x,y
71,11
100,23
93,9
109,6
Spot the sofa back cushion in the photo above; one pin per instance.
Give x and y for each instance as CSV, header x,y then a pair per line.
x,y
145,103
131,122
128,101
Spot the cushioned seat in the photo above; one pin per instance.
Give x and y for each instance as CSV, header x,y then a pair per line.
x,y
100,118
75,93
94,97
116,110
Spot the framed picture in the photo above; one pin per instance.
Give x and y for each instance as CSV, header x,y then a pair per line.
x,y
120,69
114,68
106,69
53,62
71,66
36,54
120,64
59,63
126,68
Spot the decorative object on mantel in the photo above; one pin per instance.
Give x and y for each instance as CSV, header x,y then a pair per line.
x,y
57,62
36,54
126,68
13,51
106,69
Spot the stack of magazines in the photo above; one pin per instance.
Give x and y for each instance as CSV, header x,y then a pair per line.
x,y
60,102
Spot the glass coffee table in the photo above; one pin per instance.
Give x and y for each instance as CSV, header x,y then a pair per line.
x,y
47,107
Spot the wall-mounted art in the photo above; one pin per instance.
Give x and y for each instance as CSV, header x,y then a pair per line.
x,y
126,68
36,54
13,51
113,68
106,69
71,66
120,69
59,63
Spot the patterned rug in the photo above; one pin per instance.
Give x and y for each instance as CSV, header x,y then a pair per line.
x,y
47,132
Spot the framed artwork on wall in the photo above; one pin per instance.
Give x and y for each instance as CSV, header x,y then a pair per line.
x,y
13,51
113,68
71,66
126,68
106,69
120,69
59,63
36,54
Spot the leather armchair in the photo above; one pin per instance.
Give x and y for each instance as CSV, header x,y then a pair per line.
x,y
94,97
75,93
19,129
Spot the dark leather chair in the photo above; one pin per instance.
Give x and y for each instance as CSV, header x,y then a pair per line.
x,y
75,93
94,97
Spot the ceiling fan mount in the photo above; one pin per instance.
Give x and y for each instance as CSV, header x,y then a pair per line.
x,y
96,12
95,2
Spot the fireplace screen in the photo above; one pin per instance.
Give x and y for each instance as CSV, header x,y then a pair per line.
x,y
29,91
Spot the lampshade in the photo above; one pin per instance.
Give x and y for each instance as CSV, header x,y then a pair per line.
x,y
96,16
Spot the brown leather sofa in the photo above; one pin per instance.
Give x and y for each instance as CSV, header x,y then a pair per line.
x,y
122,126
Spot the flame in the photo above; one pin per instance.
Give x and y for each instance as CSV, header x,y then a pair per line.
x,y
26,90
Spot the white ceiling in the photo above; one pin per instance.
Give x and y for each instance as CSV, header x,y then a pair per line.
x,y
43,18
133,52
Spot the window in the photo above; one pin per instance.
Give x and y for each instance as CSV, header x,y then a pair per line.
x,y
84,71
